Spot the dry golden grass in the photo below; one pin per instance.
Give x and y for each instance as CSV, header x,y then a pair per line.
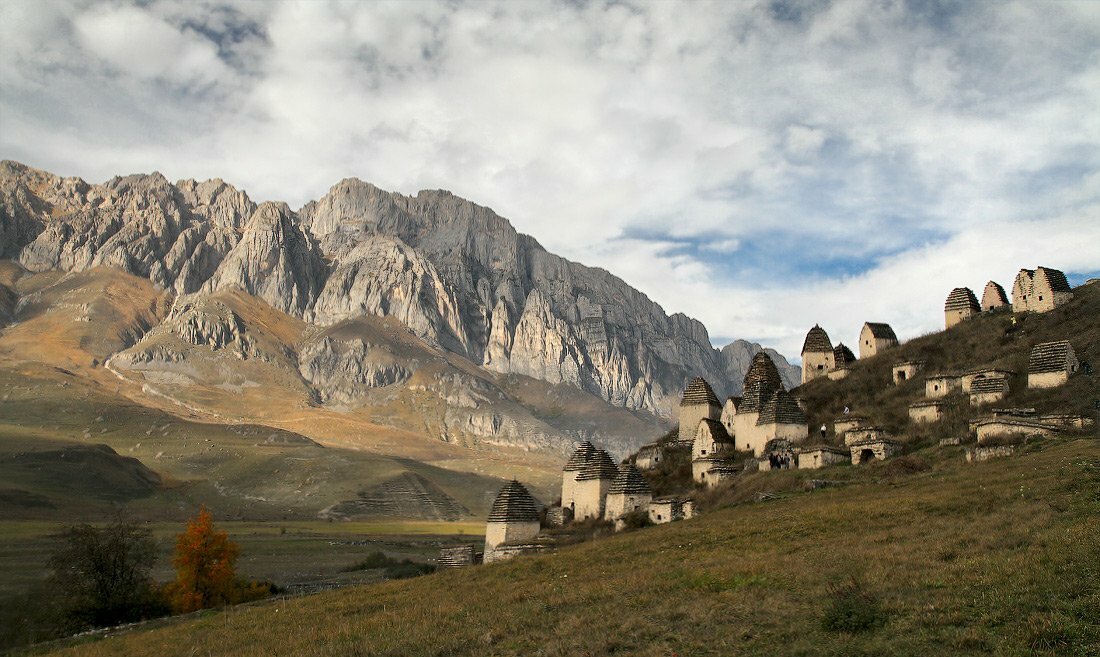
x,y
999,558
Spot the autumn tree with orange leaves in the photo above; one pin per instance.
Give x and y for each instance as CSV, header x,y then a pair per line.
x,y
205,561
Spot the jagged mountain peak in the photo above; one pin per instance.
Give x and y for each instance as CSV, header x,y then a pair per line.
x,y
456,273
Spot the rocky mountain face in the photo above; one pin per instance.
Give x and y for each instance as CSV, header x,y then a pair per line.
x,y
455,273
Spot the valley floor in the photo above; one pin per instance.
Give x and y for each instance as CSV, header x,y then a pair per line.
x,y
997,558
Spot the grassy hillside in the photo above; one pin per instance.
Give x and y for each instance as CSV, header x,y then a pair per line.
x,y
995,558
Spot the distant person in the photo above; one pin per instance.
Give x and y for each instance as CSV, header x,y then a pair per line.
x,y
845,410
823,430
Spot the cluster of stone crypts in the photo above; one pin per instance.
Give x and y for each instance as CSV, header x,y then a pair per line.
x,y
1035,290
764,419
820,358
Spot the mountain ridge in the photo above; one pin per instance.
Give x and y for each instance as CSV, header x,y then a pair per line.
x,y
456,273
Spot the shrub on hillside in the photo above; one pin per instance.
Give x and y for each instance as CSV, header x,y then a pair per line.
x,y
852,609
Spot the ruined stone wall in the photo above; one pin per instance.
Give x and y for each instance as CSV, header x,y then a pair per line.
x,y
979,454
989,429
813,459
924,413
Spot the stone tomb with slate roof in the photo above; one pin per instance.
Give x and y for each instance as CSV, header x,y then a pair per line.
x,y
649,456
988,389
960,304
817,355
699,402
927,411
513,519
1040,290
629,492
906,371
709,449
819,456
994,297
593,482
876,337
1051,364
582,456
843,359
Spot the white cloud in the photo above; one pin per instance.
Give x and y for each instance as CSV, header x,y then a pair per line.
x,y
886,137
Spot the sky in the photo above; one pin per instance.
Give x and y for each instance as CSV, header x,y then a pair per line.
x,y
760,166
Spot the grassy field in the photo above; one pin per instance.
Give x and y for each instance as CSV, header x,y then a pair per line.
x,y
998,558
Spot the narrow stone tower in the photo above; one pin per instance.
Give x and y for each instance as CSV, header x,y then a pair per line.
x,y
513,518
629,492
580,458
698,402
961,304
817,354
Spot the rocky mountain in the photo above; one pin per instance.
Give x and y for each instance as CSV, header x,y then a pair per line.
x,y
456,274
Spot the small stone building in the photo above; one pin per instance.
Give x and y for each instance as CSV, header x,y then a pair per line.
x,y
819,456
994,297
875,338
961,304
1051,364
846,423
906,370
1040,290
729,414
514,518
942,385
665,509
927,411
843,359
817,355
988,389
710,447
967,380
865,434
989,428
699,402
593,482
649,456
582,455
780,419
879,449
629,492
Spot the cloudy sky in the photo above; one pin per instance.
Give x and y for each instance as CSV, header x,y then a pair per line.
x,y
761,166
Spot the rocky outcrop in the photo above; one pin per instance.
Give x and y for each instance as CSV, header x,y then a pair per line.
x,y
343,371
457,274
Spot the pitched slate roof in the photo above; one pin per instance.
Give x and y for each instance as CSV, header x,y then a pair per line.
x,y
699,392
881,330
600,467
842,355
1050,357
962,298
717,430
987,384
514,504
817,341
1057,279
630,481
581,456
781,409
755,396
994,295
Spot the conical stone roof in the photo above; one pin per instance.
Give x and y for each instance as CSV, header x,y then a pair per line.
x,y
699,392
962,298
601,466
630,481
842,355
581,456
514,504
817,341
762,369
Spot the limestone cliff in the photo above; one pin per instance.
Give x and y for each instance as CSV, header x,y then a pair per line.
x,y
455,273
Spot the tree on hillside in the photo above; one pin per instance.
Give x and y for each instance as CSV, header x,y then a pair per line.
x,y
101,575
205,561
